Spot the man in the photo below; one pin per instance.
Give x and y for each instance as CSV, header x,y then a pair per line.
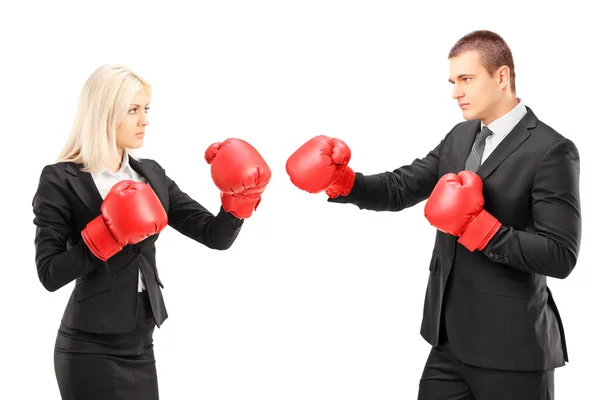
x,y
503,191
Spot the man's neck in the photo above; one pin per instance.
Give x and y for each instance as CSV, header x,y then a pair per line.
x,y
501,109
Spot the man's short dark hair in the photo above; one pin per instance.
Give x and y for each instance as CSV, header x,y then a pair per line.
x,y
492,49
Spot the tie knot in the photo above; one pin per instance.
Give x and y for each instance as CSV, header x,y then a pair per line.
x,y
485,132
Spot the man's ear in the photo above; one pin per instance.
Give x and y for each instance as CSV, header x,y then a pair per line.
x,y
503,76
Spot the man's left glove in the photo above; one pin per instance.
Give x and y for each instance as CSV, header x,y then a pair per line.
x,y
456,207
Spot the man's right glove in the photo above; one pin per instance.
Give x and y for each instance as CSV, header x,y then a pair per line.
x,y
321,164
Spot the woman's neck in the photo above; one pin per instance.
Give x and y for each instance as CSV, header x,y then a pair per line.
x,y
115,164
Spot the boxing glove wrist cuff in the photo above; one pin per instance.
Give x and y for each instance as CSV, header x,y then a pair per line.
x,y
480,231
239,206
342,186
99,240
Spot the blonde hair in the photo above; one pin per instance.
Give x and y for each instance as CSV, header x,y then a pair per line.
x,y
104,100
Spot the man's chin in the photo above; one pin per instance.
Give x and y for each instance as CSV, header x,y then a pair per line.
x,y
468,115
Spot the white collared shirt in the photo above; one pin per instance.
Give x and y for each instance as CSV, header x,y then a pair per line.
x,y
105,180
502,127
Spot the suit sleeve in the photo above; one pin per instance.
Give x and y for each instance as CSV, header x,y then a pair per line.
x,y
191,219
398,189
58,262
551,247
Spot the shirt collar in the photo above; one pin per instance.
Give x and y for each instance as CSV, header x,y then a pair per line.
x,y
503,125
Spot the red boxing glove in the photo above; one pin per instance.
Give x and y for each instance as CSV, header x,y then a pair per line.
x,y
240,172
321,164
130,213
456,207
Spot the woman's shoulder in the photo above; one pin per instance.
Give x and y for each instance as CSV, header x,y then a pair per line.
x,y
60,168
147,162
53,177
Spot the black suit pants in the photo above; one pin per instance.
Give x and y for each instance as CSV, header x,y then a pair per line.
x,y
445,377
108,366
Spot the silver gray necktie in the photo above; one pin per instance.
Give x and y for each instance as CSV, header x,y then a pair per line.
x,y
474,159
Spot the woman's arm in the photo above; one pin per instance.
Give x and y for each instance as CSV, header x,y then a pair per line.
x,y
191,219
58,262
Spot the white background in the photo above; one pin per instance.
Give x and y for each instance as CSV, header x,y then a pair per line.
x,y
314,300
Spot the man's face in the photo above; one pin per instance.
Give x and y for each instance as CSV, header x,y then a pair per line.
x,y
476,91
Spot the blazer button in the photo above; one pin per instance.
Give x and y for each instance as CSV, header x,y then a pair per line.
x,y
450,259
490,254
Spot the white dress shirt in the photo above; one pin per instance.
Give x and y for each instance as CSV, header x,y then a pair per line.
x,y
105,180
502,127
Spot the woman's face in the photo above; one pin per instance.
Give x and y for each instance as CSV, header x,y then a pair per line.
x,y
131,129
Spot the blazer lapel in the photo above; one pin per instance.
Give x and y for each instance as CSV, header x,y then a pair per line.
x,y
84,186
155,177
509,144
466,144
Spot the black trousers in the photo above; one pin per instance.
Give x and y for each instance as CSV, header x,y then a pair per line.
x,y
108,366
445,377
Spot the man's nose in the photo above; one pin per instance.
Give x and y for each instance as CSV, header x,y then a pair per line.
x,y
456,92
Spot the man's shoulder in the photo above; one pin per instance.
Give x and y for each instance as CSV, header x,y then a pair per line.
x,y
544,134
543,128
530,121
460,128
466,125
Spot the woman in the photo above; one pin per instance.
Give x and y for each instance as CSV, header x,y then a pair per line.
x,y
98,212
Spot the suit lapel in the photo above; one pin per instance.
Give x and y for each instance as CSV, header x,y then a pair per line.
x,y
84,186
466,144
508,145
155,177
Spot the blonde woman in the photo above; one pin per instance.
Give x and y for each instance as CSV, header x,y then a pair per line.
x,y
98,213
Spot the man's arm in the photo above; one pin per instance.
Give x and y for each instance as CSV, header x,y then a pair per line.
x,y
398,189
550,244
553,246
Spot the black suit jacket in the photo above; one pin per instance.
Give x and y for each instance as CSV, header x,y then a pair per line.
x,y
496,305
104,299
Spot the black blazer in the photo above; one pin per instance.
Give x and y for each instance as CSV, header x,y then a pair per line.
x,y
104,299
499,312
